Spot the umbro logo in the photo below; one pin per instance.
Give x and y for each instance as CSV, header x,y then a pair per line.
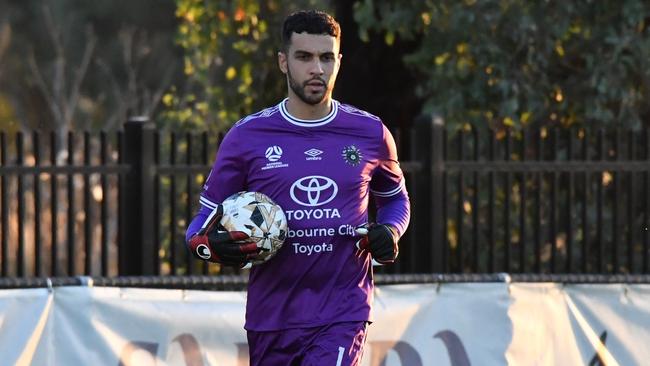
x,y
313,154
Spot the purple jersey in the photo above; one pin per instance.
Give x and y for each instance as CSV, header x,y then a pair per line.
x,y
321,172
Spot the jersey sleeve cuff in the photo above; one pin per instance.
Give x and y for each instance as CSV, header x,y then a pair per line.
x,y
207,203
389,193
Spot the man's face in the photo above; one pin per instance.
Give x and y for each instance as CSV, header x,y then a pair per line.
x,y
311,64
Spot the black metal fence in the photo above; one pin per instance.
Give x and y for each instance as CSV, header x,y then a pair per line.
x,y
483,201
55,196
540,200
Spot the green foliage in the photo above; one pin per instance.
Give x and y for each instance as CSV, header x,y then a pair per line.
x,y
230,57
518,62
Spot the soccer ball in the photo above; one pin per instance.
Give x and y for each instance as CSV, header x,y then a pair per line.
x,y
255,214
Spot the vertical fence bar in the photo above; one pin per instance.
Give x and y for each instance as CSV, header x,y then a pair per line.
x,y
506,205
156,206
553,206
631,203
425,204
190,197
409,239
20,160
54,204
71,253
616,217
442,222
438,200
5,206
475,204
121,203
431,188
103,148
646,211
569,210
459,203
491,206
523,198
205,265
600,252
172,206
88,214
38,244
137,253
537,223
585,204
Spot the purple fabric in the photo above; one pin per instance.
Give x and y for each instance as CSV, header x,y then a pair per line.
x,y
338,344
321,173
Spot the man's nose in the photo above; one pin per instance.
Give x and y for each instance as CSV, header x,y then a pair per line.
x,y
317,67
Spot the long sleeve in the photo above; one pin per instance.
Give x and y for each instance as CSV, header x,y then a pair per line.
x,y
394,210
389,189
228,176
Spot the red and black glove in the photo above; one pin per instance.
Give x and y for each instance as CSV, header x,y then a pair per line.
x,y
380,240
215,244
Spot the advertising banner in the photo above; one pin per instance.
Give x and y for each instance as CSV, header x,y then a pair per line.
x,y
443,324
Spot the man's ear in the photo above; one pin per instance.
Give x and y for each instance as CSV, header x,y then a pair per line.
x,y
282,62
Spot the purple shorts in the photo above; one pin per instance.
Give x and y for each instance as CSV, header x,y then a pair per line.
x,y
338,344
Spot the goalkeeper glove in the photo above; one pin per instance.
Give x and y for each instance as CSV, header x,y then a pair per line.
x,y
380,240
215,244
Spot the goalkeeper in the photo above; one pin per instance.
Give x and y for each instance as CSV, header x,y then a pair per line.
x,y
321,161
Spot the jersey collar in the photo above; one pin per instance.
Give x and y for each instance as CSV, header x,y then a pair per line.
x,y
308,122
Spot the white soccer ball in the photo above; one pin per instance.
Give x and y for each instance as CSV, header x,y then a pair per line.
x,y
255,214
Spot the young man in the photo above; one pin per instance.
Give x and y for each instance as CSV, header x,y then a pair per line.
x,y
320,161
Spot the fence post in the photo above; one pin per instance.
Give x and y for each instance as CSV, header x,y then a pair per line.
x,y
136,249
428,210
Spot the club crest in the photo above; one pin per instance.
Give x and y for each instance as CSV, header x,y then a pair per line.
x,y
352,155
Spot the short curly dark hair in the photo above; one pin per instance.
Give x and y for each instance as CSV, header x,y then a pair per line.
x,y
310,21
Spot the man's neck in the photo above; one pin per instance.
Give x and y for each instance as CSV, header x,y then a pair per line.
x,y
302,110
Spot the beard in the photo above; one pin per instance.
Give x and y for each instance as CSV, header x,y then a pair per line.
x,y
299,90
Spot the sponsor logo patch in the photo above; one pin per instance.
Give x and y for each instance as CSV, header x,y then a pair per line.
x,y
203,251
273,154
352,155
313,154
313,190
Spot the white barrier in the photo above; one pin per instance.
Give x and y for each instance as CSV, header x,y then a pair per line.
x,y
450,324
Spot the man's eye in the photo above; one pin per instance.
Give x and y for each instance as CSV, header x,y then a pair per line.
x,y
327,58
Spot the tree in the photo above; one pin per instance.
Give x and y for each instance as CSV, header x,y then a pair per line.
x,y
62,91
230,59
517,62
73,64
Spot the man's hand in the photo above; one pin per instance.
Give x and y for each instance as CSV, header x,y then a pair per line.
x,y
213,243
380,240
